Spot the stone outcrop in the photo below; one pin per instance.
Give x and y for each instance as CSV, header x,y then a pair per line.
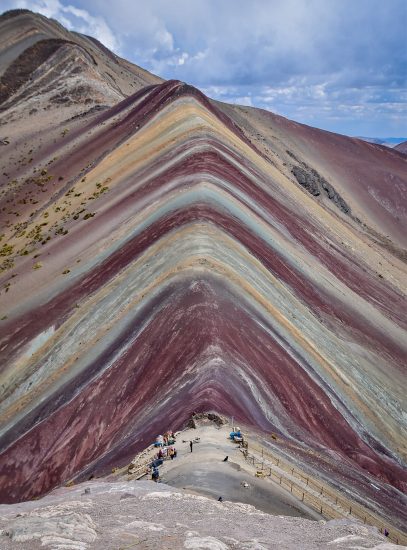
x,y
315,184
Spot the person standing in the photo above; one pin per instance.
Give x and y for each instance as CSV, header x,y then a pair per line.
x,y
190,445
155,475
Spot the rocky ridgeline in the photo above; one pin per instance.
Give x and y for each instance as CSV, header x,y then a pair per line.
x,y
199,419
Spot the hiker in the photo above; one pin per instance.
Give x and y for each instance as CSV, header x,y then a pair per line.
x,y
171,453
190,445
220,499
226,458
386,533
155,475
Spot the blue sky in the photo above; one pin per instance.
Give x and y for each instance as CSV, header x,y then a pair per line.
x,y
335,64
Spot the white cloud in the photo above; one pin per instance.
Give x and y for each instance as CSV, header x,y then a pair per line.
x,y
164,40
183,58
243,100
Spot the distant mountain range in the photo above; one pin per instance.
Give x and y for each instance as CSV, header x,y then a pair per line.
x,y
387,141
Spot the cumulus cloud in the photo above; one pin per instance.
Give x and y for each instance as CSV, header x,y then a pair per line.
x,y
340,65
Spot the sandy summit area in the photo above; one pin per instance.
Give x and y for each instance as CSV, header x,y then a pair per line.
x,y
205,472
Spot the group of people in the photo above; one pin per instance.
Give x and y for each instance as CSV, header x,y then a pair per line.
x,y
166,449
168,438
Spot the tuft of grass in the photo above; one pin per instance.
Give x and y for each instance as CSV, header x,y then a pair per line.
x,y
6,250
6,264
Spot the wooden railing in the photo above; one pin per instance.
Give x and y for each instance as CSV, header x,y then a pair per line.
x,y
325,500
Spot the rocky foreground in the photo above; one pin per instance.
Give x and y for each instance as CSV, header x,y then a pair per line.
x,y
144,514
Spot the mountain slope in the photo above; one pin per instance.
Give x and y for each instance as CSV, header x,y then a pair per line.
x,y
401,147
158,260
50,77
364,180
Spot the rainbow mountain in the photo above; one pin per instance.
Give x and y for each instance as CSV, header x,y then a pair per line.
x,y
163,253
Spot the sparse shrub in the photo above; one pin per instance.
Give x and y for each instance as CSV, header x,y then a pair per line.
x,y
6,264
6,250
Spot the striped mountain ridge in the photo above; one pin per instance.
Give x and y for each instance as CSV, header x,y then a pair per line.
x,y
165,260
